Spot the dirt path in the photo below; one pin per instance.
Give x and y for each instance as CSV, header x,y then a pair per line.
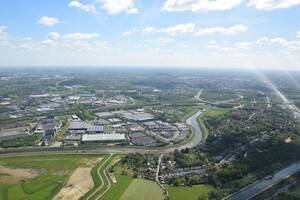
x,y
109,182
101,178
79,183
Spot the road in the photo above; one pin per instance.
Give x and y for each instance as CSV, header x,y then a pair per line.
x,y
198,95
101,178
262,185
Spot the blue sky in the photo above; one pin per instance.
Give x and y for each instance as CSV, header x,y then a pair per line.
x,y
183,33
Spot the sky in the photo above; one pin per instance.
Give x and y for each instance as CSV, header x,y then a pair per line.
x,y
255,34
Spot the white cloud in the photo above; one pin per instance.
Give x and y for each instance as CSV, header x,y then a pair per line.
x,y
199,5
298,34
182,45
149,29
80,36
130,32
4,36
48,21
212,42
84,7
280,41
133,11
2,29
86,45
262,40
230,31
47,42
236,29
26,39
290,45
178,29
114,7
273,4
53,35
224,49
243,45
208,31
164,40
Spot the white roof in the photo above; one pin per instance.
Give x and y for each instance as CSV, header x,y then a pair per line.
x,y
102,137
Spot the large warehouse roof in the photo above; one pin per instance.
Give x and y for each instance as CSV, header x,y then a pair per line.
x,y
10,135
102,137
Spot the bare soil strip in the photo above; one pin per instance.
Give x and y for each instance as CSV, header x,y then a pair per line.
x,y
14,175
79,183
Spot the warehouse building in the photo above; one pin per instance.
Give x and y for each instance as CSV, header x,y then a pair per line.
x,y
103,137
10,135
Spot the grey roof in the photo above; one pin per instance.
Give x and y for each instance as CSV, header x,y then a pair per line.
x,y
80,126
51,126
104,114
138,116
102,137
95,129
9,135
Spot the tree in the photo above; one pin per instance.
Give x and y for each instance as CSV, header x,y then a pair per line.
x,y
135,175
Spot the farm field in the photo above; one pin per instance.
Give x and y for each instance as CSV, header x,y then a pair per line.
x,y
143,189
188,193
44,176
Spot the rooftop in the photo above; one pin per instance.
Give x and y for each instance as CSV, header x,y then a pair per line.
x,y
102,137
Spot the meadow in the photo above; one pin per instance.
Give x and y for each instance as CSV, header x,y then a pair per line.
x,y
188,193
143,189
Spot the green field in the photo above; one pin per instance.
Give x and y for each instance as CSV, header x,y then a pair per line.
x,y
123,181
143,189
216,111
51,173
188,193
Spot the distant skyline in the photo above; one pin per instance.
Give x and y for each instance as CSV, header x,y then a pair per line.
x,y
192,33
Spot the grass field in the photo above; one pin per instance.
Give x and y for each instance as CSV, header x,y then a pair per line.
x,y
143,189
119,188
45,174
217,111
188,193
123,181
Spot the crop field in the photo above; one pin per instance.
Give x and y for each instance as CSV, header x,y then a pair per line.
x,y
41,176
143,189
188,193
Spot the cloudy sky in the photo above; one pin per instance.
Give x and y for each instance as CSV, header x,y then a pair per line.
x,y
185,33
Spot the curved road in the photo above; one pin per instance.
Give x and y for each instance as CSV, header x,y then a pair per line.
x,y
101,178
